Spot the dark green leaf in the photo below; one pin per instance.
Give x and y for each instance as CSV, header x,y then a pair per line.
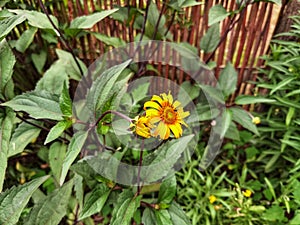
x,y
67,62
167,190
95,201
163,217
160,162
23,135
211,39
226,121
86,22
42,21
26,39
74,149
248,99
39,60
282,83
216,14
14,200
126,207
242,117
65,102
110,41
228,80
53,79
57,152
6,127
7,62
10,23
232,132
100,91
38,104
149,217
52,208
178,216
187,91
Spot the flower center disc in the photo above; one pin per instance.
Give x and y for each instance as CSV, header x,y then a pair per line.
x,y
169,115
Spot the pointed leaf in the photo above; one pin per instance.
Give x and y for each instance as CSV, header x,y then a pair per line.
x,y
178,216
57,130
247,99
211,39
163,217
57,152
228,80
74,149
242,117
86,22
10,23
167,190
226,121
51,209
216,14
95,201
23,135
282,84
25,39
148,217
7,62
14,200
38,104
6,127
65,102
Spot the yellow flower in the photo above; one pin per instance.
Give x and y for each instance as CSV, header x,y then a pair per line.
x,y
167,113
247,193
142,126
256,120
212,199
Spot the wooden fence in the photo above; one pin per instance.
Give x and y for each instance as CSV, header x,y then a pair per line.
x,y
243,40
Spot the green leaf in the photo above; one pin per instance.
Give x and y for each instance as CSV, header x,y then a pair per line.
x,y
295,220
149,217
95,201
52,208
211,39
125,208
57,130
57,152
140,92
282,83
242,117
226,121
228,80
23,135
178,216
14,200
290,116
212,93
288,102
39,60
38,104
67,62
274,214
6,127
42,21
8,24
53,79
160,163
65,102
187,91
216,14
232,132
110,41
26,39
163,217
7,62
248,99
102,87
167,190
74,149
86,22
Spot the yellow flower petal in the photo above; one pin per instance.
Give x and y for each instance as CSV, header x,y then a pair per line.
x,y
176,130
151,104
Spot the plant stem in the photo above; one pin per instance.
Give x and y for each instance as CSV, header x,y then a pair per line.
x,y
112,112
139,168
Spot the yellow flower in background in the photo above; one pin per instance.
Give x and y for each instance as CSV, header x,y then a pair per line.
x,y
256,120
141,125
167,113
212,199
247,193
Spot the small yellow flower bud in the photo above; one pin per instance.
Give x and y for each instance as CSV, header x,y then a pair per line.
x,y
256,120
247,193
212,199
